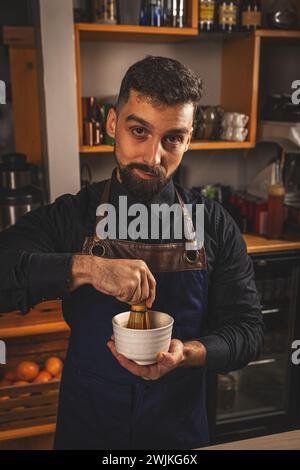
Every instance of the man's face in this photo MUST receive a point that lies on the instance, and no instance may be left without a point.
(151, 139)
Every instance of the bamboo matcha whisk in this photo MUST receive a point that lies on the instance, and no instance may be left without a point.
(139, 318)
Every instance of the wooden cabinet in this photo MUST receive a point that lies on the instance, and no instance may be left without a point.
(23, 60)
(240, 64)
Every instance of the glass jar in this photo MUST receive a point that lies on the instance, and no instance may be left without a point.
(282, 14)
(207, 13)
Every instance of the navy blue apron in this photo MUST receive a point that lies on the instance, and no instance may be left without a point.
(104, 406)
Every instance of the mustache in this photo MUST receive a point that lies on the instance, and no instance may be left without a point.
(154, 171)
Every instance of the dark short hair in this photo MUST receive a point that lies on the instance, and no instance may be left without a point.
(163, 79)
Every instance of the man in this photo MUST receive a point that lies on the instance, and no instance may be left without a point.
(106, 400)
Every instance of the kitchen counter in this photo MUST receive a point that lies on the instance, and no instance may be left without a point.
(256, 244)
(283, 441)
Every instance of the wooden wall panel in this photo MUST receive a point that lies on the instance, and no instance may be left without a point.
(240, 78)
(26, 103)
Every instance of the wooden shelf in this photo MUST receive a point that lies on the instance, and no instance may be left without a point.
(219, 145)
(31, 431)
(197, 145)
(120, 32)
(276, 34)
(96, 149)
(43, 319)
(257, 244)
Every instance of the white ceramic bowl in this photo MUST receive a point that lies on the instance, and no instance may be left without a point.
(142, 346)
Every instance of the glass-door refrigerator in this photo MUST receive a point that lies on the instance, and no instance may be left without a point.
(264, 396)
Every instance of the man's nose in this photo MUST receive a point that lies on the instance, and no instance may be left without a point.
(153, 154)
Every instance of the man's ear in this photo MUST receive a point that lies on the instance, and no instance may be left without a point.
(111, 123)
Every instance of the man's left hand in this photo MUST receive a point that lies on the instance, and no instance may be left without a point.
(166, 361)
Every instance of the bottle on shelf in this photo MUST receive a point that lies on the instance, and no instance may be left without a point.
(167, 13)
(251, 15)
(180, 13)
(228, 16)
(207, 11)
(155, 15)
(158, 13)
(81, 11)
(129, 12)
(174, 13)
(276, 203)
(144, 15)
(104, 11)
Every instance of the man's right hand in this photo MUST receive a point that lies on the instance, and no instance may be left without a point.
(128, 280)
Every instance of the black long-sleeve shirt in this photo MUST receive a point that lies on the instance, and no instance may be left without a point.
(36, 255)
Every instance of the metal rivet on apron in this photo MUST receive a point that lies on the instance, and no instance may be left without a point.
(98, 250)
(192, 256)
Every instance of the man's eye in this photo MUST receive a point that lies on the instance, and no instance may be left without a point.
(174, 139)
(139, 131)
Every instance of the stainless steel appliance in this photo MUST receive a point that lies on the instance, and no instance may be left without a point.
(15, 172)
(18, 192)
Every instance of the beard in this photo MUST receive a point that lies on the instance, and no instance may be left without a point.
(143, 190)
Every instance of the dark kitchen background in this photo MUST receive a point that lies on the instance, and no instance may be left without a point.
(62, 62)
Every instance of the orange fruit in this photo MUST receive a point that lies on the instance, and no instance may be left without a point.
(27, 370)
(57, 376)
(5, 397)
(54, 365)
(43, 377)
(20, 383)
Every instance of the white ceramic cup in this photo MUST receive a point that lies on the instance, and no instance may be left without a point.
(226, 133)
(239, 120)
(234, 120)
(227, 119)
(142, 346)
(239, 134)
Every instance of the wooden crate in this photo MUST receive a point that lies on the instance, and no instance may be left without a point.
(32, 404)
